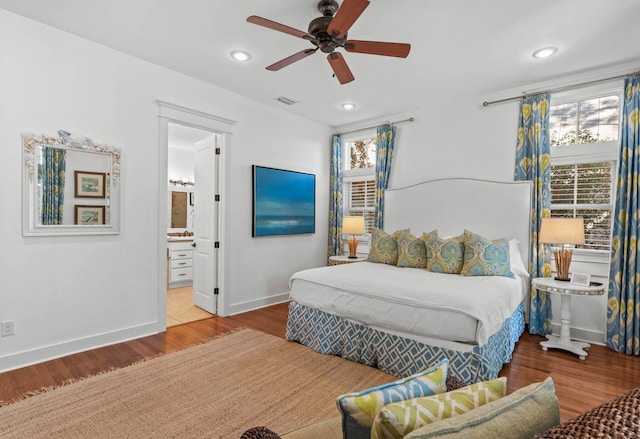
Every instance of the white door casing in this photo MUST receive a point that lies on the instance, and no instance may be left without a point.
(224, 129)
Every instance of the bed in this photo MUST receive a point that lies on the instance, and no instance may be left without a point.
(403, 320)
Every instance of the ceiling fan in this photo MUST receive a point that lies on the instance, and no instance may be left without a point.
(329, 32)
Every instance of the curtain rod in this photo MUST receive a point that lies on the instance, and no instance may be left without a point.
(559, 89)
(411, 119)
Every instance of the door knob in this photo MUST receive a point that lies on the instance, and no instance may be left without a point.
(193, 244)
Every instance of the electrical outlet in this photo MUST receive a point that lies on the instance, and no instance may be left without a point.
(6, 328)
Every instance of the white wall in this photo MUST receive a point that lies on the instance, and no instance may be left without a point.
(67, 294)
(180, 164)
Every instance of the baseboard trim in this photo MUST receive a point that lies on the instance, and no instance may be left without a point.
(46, 353)
(252, 305)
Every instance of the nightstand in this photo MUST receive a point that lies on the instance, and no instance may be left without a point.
(566, 290)
(344, 259)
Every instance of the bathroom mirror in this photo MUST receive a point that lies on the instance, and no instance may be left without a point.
(70, 186)
(180, 209)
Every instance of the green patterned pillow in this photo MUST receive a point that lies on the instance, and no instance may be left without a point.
(483, 257)
(411, 251)
(444, 255)
(360, 409)
(384, 247)
(401, 418)
(525, 413)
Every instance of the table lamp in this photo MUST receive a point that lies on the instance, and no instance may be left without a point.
(562, 231)
(353, 225)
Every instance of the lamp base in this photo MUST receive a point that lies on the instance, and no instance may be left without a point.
(353, 247)
(563, 260)
(352, 257)
(562, 279)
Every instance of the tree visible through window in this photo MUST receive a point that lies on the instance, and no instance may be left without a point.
(359, 179)
(584, 138)
(362, 154)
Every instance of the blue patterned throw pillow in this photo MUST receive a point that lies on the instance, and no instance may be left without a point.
(360, 409)
(411, 251)
(384, 247)
(483, 257)
(444, 255)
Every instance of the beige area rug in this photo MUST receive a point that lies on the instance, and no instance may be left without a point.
(217, 389)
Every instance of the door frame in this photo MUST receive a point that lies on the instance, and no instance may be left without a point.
(172, 113)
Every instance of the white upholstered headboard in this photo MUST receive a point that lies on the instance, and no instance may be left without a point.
(493, 209)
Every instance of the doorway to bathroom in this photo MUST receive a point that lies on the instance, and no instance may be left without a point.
(192, 175)
(194, 244)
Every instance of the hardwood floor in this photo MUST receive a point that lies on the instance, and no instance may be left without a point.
(580, 385)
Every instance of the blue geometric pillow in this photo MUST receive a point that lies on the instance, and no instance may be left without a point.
(483, 257)
(444, 255)
(360, 409)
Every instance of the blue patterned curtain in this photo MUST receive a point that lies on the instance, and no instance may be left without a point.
(335, 198)
(533, 162)
(52, 177)
(623, 308)
(385, 138)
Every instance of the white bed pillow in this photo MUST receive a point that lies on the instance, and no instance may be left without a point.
(515, 259)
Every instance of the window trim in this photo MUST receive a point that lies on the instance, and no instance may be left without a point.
(357, 174)
(589, 153)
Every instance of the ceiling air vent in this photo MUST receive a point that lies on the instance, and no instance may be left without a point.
(286, 101)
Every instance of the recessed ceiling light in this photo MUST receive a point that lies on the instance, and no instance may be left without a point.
(240, 55)
(348, 106)
(545, 52)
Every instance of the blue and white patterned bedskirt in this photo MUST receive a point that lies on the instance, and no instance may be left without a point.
(400, 356)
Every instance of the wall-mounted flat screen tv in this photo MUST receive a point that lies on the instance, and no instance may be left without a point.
(284, 202)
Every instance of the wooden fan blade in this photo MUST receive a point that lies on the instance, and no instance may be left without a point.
(400, 50)
(340, 67)
(345, 17)
(291, 59)
(279, 27)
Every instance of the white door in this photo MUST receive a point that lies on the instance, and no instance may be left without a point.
(205, 224)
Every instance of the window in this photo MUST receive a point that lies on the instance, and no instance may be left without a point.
(584, 149)
(359, 186)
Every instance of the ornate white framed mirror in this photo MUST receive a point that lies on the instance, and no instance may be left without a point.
(70, 186)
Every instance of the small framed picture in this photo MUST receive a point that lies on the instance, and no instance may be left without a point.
(90, 184)
(581, 279)
(89, 215)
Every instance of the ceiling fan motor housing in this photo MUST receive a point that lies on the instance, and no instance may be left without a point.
(325, 42)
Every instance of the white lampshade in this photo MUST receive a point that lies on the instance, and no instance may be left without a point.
(562, 231)
(353, 225)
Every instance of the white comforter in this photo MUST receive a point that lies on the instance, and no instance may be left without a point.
(411, 301)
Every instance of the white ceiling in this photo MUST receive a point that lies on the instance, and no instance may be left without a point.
(459, 47)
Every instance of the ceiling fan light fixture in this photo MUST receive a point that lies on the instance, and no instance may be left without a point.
(240, 55)
(348, 106)
(545, 52)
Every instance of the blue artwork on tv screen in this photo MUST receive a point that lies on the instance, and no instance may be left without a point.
(283, 202)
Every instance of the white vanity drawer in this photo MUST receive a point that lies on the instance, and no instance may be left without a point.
(181, 254)
(180, 263)
(180, 274)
